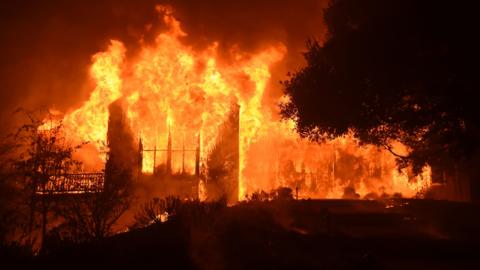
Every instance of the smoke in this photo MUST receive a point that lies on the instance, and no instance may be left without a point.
(47, 45)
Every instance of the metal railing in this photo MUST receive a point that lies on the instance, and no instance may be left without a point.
(75, 183)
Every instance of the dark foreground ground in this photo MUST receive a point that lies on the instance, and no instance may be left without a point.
(308, 234)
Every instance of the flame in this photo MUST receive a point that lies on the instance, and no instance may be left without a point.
(202, 191)
(170, 88)
(90, 122)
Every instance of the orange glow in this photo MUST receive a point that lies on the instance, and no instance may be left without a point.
(171, 88)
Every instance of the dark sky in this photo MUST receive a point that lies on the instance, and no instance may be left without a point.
(46, 46)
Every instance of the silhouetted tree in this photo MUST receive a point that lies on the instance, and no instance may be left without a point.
(92, 216)
(43, 156)
(223, 161)
(282, 194)
(349, 168)
(12, 211)
(392, 70)
(350, 193)
(259, 196)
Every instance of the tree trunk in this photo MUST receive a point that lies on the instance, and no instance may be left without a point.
(31, 221)
(44, 221)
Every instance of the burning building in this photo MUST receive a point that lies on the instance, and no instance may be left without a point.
(176, 107)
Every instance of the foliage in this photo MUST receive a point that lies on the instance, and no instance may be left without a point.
(12, 211)
(392, 70)
(44, 152)
(41, 156)
(187, 212)
(279, 194)
(350, 193)
(93, 215)
(283, 194)
(260, 196)
(222, 161)
(152, 211)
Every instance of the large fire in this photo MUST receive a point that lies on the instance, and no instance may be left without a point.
(170, 88)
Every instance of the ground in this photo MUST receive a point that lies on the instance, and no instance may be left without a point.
(290, 234)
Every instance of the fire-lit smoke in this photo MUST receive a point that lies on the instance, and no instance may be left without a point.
(172, 89)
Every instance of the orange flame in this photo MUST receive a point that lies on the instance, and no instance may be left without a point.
(171, 88)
